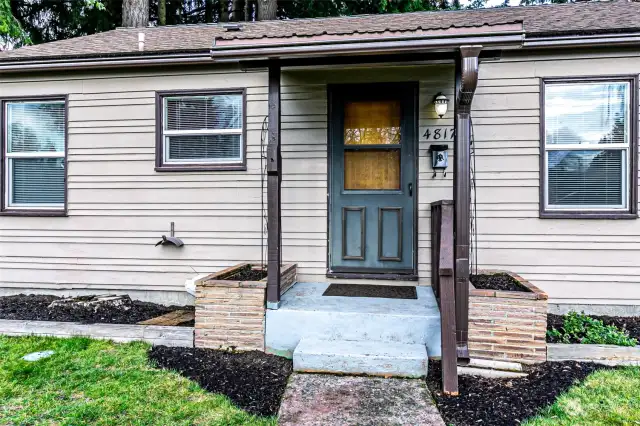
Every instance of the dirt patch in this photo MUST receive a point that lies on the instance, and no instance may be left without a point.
(246, 273)
(506, 402)
(253, 380)
(36, 308)
(500, 281)
(629, 324)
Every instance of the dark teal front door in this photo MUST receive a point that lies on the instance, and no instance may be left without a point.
(373, 138)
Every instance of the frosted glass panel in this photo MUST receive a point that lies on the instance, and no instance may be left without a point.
(372, 169)
(372, 123)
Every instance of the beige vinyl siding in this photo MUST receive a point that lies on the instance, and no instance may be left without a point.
(305, 94)
(119, 206)
(575, 261)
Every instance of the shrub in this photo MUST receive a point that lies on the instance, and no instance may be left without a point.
(581, 328)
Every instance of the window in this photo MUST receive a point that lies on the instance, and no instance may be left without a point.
(203, 131)
(34, 160)
(589, 147)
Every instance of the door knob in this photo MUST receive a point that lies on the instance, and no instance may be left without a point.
(410, 189)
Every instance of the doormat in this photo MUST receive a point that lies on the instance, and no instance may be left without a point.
(369, 290)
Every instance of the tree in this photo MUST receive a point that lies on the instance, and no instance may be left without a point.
(50, 20)
(267, 10)
(135, 13)
(11, 32)
(162, 12)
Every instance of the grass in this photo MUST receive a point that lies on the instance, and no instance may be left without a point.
(102, 383)
(607, 397)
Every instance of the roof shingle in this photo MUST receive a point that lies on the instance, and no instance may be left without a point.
(559, 19)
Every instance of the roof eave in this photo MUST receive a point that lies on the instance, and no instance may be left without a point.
(57, 64)
(584, 40)
(410, 44)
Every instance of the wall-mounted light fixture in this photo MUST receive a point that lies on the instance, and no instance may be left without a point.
(441, 103)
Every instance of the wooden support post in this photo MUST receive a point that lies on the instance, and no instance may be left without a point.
(466, 82)
(274, 183)
(447, 299)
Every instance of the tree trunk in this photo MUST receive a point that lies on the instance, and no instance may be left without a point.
(135, 13)
(267, 10)
(247, 11)
(208, 11)
(162, 12)
(224, 10)
(237, 10)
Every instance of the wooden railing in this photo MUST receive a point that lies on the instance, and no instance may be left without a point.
(443, 282)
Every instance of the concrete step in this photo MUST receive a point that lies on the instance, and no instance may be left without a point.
(305, 313)
(352, 357)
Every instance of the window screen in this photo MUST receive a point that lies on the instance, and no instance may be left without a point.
(587, 142)
(35, 154)
(203, 129)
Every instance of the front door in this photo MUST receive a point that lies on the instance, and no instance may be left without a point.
(373, 178)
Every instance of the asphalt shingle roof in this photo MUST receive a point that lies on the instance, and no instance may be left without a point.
(559, 19)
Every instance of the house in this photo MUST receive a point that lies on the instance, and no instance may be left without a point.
(323, 129)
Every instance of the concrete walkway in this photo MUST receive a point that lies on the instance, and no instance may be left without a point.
(328, 400)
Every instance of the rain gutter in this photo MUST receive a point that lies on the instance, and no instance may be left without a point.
(600, 40)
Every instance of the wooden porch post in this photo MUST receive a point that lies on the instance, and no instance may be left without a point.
(274, 182)
(466, 82)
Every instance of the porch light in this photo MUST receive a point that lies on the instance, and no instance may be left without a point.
(441, 103)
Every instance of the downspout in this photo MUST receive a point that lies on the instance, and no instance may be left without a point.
(466, 83)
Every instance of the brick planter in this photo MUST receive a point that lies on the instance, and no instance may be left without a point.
(231, 314)
(508, 325)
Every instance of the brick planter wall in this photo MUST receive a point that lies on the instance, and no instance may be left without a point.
(231, 314)
(508, 325)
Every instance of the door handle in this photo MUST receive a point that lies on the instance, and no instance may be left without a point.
(410, 189)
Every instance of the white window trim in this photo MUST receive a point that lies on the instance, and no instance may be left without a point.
(626, 148)
(8, 186)
(166, 133)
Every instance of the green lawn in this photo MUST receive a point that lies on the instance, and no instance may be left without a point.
(102, 383)
(607, 397)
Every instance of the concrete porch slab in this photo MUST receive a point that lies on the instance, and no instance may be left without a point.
(322, 399)
(305, 312)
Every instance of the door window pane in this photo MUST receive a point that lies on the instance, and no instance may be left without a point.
(372, 123)
(372, 169)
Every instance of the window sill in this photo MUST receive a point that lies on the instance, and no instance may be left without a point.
(588, 215)
(35, 213)
(201, 168)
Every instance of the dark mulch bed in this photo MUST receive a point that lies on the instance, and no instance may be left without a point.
(36, 308)
(254, 381)
(368, 290)
(499, 281)
(247, 274)
(502, 402)
(630, 324)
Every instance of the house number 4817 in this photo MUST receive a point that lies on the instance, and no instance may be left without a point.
(439, 134)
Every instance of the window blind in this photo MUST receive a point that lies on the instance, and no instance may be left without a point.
(34, 154)
(586, 178)
(204, 147)
(38, 181)
(35, 127)
(587, 138)
(203, 129)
